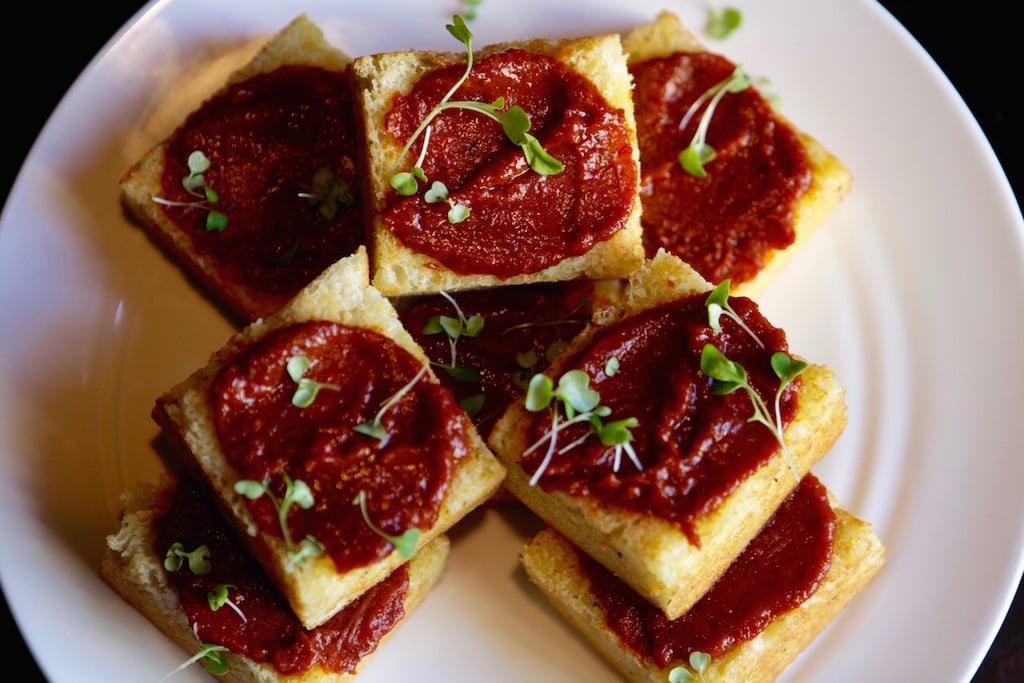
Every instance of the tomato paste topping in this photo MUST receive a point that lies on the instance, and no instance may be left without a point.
(266, 138)
(404, 476)
(520, 221)
(777, 572)
(726, 223)
(695, 446)
(269, 632)
(523, 327)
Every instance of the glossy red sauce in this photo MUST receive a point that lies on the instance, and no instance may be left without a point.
(266, 137)
(725, 224)
(520, 221)
(535, 319)
(695, 447)
(270, 632)
(264, 437)
(777, 572)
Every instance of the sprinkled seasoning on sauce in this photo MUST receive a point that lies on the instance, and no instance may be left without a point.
(695, 446)
(779, 570)
(270, 632)
(266, 137)
(520, 221)
(405, 476)
(725, 224)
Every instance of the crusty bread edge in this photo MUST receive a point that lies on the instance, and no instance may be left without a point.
(314, 588)
(654, 556)
(858, 556)
(130, 566)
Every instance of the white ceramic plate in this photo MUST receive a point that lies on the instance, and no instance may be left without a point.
(910, 291)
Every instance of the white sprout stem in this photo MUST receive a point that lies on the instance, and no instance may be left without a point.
(238, 611)
(551, 450)
(401, 392)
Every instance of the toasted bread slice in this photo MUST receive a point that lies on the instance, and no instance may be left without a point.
(238, 418)
(133, 565)
(506, 239)
(668, 563)
(554, 566)
(748, 257)
(279, 121)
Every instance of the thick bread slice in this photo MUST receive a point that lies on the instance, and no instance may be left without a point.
(831, 179)
(653, 555)
(397, 269)
(301, 43)
(315, 589)
(858, 555)
(132, 568)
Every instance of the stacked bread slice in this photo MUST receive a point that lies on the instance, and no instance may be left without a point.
(337, 437)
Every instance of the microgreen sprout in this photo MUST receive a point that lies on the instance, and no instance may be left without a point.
(375, 428)
(718, 305)
(454, 328)
(404, 544)
(699, 662)
(729, 376)
(471, 6)
(296, 492)
(195, 184)
(211, 657)
(329, 192)
(308, 388)
(472, 405)
(514, 122)
(699, 152)
(198, 560)
(220, 597)
(580, 404)
(723, 20)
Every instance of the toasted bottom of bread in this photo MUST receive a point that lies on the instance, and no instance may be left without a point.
(552, 565)
(131, 567)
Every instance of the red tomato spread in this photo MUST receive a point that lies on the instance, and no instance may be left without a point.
(726, 223)
(777, 572)
(695, 446)
(265, 138)
(405, 475)
(269, 633)
(535, 320)
(520, 221)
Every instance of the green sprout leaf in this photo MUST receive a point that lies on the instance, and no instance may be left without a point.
(328, 193)
(375, 428)
(307, 389)
(404, 544)
(514, 121)
(195, 184)
(718, 305)
(722, 21)
(298, 493)
(220, 597)
(212, 658)
(198, 560)
(456, 328)
(699, 152)
(729, 376)
(574, 398)
(699, 662)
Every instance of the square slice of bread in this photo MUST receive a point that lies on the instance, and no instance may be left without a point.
(553, 565)
(831, 180)
(398, 269)
(133, 566)
(342, 297)
(258, 272)
(653, 554)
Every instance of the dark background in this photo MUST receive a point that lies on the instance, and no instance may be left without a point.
(972, 45)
